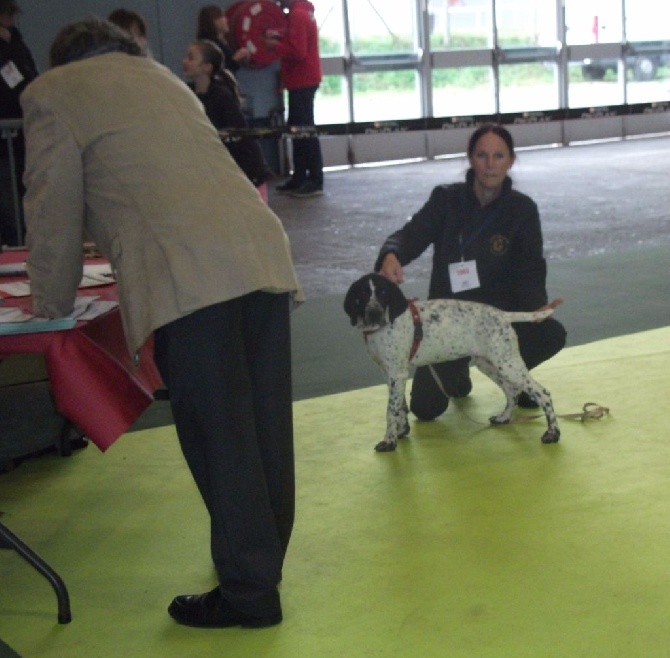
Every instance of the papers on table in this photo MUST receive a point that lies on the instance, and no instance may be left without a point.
(12, 269)
(35, 325)
(94, 275)
(15, 321)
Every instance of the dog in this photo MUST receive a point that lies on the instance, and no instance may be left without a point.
(400, 333)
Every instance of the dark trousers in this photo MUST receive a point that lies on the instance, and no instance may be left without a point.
(538, 342)
(12, 233)
(227, 368)
(307, 158)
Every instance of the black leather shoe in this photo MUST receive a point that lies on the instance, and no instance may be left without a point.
(211, 610)
(308, 189)
(289, 186)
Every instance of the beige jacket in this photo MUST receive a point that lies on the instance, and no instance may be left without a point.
(119, 149)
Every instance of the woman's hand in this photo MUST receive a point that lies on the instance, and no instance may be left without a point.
(392, 269)
(242, 55)
(554, 303)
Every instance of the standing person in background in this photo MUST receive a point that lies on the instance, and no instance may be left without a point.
(213, 26)
(17, 70)
(201, 263)
(298, 50)
(217, 89)
(134, 23)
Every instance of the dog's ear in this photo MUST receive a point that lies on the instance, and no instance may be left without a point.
(390, 295)
(356, 299)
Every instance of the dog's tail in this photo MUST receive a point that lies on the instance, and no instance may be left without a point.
(529, 316)
(535, 316)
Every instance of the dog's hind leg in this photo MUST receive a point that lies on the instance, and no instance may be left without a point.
(508, 389)
(542, 396)
(513, 379)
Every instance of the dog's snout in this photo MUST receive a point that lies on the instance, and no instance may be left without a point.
(374, 314)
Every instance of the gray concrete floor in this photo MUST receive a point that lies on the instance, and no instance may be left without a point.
(594, 199)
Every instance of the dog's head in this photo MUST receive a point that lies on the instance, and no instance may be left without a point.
(374, 301)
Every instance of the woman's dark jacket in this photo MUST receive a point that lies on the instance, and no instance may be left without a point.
(17, 52)
(504, 238)
(222, 106)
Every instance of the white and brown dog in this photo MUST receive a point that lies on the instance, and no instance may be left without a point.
(400, 333)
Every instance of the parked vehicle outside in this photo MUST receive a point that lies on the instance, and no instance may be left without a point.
(646, 41)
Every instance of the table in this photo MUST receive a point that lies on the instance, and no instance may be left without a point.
(95, 385)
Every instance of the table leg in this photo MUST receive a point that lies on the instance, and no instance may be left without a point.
(9, 540)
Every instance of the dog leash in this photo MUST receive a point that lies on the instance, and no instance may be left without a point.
(590, 410)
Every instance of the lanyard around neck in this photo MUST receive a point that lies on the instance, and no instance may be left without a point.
(488, 219)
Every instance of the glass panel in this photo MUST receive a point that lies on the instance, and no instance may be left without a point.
(460, 24)
(593, 21)
(648, 72)
(530, 87)
(463, 91)
(594, 83)
(330, 103)
(641, 91)
(382, 27)
(523, 23)
(381, 96)
(647, 20)
(328, 14)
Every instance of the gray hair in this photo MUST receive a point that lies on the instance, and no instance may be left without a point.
(88, 38)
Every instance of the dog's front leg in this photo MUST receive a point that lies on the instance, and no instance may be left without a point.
(396, 413)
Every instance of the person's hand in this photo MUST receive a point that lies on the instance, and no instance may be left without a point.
(5, 34)
(242, 55)
(392, 269)
(554, 303)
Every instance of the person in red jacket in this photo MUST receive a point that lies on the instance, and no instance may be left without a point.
(298, 50)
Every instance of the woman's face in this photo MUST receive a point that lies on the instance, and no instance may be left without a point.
(221, 25)
(192, 64)
(490, 161)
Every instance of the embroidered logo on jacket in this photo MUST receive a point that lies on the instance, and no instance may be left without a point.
(499, 244)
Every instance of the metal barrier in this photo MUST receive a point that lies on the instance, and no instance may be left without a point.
(283, 132)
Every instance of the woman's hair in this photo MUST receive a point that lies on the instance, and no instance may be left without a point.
(206, 22)
(212, 54)
(90, 37)
(126, 18)
(494, 128)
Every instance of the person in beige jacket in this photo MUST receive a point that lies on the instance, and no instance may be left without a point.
(121, 151)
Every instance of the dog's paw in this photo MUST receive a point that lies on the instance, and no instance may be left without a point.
(551, 436)
(499, 420)
(385, 446)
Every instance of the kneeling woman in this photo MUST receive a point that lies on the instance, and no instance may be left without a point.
(487, 247)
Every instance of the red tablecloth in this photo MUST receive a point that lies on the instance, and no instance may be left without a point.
(94, 381)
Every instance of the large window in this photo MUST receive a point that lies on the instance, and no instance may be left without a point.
(387, 60)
